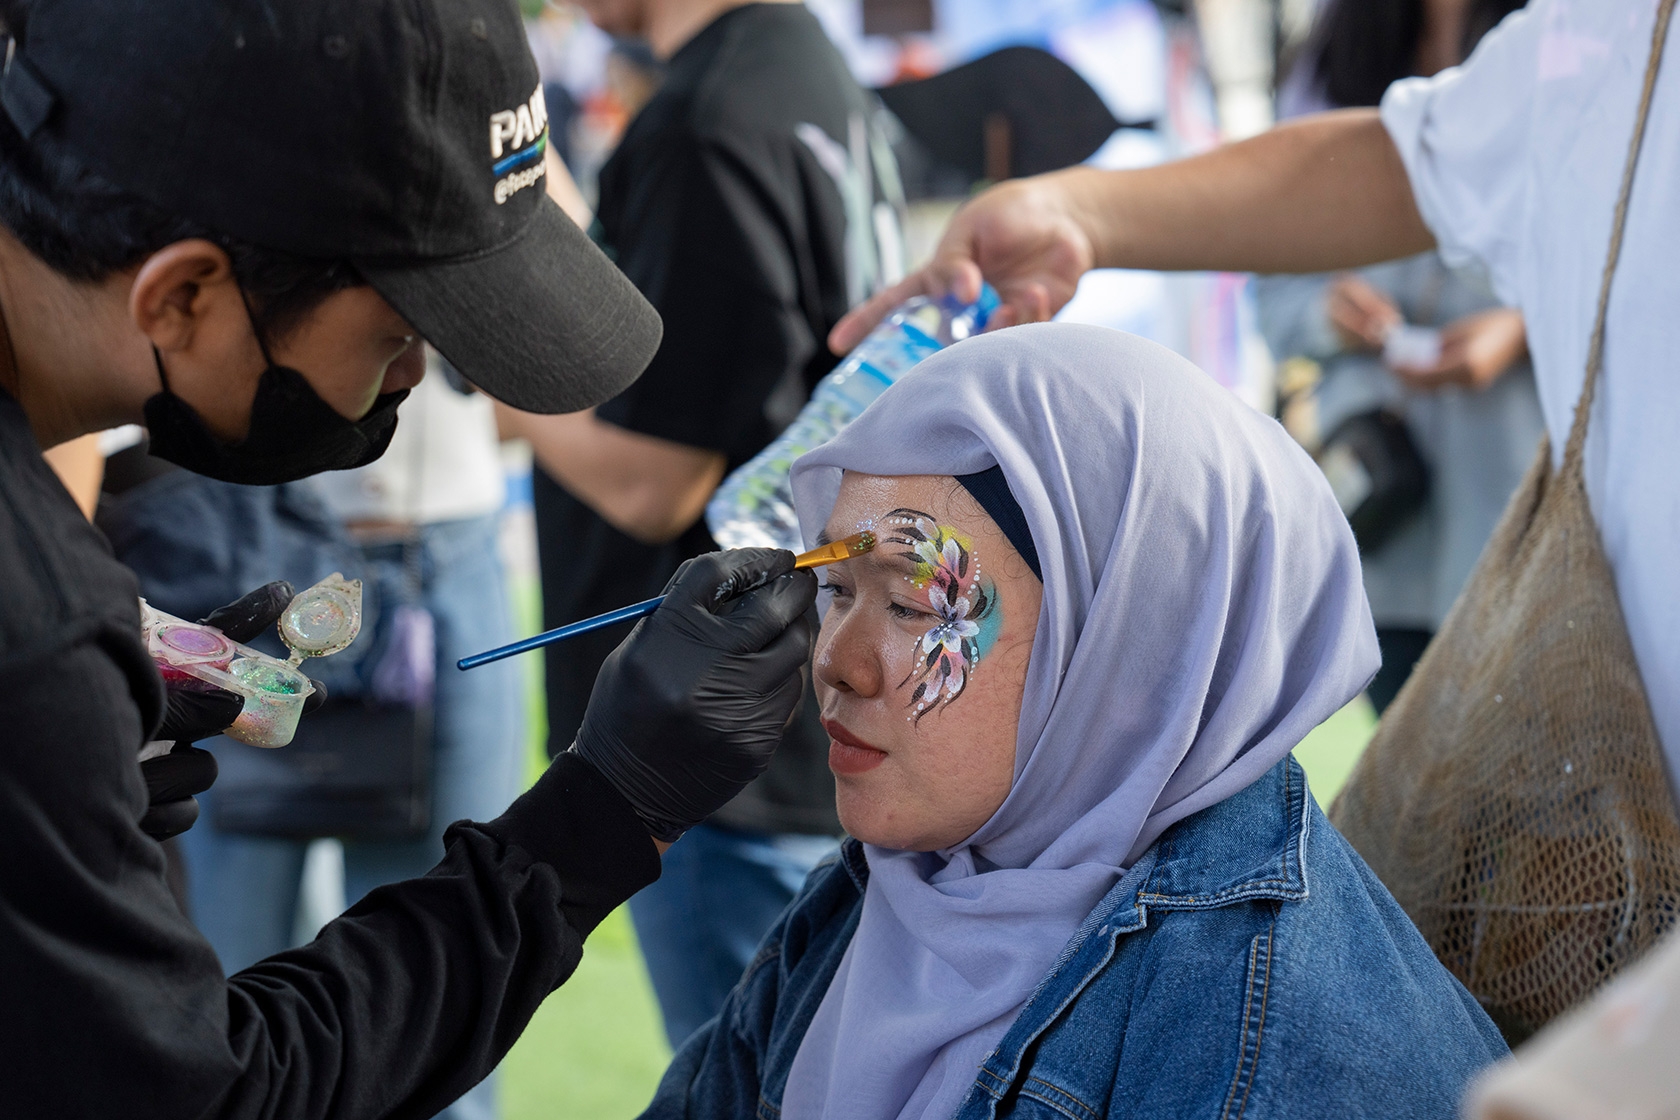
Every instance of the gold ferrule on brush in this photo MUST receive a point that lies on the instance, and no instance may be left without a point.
(855, 545)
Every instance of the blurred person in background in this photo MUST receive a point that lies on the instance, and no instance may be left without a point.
(752, 202)
(1473, 413)
(633, 74)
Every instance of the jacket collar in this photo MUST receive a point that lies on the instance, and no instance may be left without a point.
(1251, 845)
(855, 863)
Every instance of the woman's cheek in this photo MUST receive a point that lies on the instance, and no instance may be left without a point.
(898, 656)
(819, 675)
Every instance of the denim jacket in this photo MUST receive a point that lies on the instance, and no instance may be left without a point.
(1248, 965)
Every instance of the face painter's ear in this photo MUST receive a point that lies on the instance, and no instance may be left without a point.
(177, 288)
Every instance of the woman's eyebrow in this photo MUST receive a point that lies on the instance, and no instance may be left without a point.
(878, 558)
(888, 558)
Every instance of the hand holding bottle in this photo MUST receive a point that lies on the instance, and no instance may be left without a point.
(1022, 236)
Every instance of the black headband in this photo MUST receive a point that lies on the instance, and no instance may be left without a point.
(991, 490)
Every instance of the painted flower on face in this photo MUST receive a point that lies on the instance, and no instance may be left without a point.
(942, 553)
(965, 608)
(948, 647)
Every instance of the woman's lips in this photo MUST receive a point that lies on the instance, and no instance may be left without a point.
(847, 754)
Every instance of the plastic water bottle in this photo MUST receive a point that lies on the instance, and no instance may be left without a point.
(754, 506)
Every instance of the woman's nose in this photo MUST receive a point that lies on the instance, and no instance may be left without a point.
(845, 661)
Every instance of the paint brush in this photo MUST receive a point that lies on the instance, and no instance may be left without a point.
(855, 545)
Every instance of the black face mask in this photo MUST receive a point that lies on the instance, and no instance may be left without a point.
(293, 433)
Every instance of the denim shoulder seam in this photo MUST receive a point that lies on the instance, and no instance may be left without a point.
(1306, 825)
(1255, 888)
(1254, 1024)
(767, 952)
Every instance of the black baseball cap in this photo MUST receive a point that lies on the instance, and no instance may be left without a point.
(407, 136)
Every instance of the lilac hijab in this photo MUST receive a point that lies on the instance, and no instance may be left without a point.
(1202, 612)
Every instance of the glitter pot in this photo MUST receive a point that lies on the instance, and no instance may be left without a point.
(274, 696)
(323, 619)
(195, 643)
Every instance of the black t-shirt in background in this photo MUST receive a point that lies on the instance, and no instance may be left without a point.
(747, 203)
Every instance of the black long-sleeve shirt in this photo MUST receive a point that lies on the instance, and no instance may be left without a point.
(112, 1004)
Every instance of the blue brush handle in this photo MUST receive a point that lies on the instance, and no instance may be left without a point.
(561, 633)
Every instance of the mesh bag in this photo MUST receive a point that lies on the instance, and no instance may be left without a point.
(1514, 798)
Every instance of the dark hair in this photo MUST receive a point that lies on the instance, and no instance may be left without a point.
(86, 228)
(1364, 46)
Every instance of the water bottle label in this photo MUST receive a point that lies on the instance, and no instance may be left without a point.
(869, 368)
(920, 337)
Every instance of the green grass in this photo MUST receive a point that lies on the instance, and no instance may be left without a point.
(596, 1049)
(1328, 753)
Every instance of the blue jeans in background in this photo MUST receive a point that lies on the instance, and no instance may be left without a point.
(720, 892)
(244, 889)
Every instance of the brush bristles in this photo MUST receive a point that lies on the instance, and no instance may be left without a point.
(855, 545)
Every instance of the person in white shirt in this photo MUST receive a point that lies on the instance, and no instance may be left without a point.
(1471, 413)
(1511, 161)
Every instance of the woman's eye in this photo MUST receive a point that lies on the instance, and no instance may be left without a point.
(899, 610)
(839, 591)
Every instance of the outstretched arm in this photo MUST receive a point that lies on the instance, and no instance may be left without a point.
(1321, 193)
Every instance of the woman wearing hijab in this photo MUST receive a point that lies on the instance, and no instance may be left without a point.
(1086, 878)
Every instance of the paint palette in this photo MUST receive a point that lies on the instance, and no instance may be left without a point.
(321, 620)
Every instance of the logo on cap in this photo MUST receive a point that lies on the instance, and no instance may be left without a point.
(518, 139)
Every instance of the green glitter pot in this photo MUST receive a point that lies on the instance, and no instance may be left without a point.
(269, 677)
(274, 699)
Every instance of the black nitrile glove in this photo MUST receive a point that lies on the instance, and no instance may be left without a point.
(195, 710)
(691, 706)
(252, 613)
